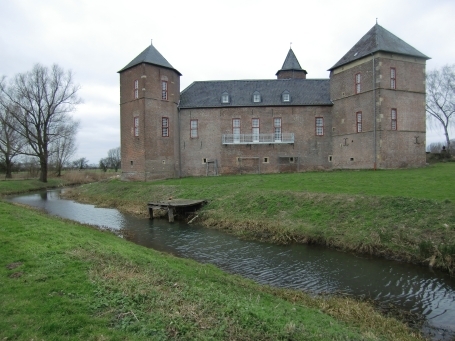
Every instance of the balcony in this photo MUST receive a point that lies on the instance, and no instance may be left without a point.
(284, 138)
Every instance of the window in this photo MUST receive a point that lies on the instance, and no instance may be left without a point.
(265, 160)
(136, 126)
(164, 90)
(285, 96)
(255, 129)
(277, 129)
(136, 89)
(256, 97)
(224, 97)
(236, 129)
(359, 121)
(393, 78)
(393, 116)
(319, 126)
(165, 127)
(357, 83)
(193, 129)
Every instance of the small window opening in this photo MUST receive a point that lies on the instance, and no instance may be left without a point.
(204, 160)
(330, 158)
(286, 97)
(265, 160)
(224, 97)
(256, 97)
(352, 159)
(291, 160)
(357, 83)
(131, 162)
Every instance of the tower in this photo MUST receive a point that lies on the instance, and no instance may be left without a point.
(378, 92)
(291, 68)
(149, 97)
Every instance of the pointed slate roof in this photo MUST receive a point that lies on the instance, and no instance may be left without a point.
(378, 39)
(150, 56)
(291, 63)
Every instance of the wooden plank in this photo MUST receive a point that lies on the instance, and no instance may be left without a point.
(171, 214)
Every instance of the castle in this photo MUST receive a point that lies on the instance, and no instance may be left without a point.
(370, 114)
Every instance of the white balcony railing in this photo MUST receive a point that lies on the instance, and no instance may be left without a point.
(258, 138)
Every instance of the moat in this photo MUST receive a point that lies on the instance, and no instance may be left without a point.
(415, 289)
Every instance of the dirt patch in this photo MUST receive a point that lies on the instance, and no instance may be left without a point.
(13, 265)
(16, 275)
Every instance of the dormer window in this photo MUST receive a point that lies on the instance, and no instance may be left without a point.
(225, 98)
(286, 96)
(256, 97)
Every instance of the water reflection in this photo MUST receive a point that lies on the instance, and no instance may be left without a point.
(316, 269)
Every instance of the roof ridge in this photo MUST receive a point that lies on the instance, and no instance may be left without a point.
(375, 40)
(150, 56)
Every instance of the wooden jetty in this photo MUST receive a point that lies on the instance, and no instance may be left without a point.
(175, 207)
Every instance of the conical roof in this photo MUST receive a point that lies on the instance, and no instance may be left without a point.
(378, 39)
(150, 56)
(291, 63)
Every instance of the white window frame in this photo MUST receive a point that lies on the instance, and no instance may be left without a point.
(136, 89)
(225, 98)
(165, 126)
(277, 129)
(393, 78)
(255, 129)
(236, 129)
(319, 126)
(136, 126)
(394, 119)
(358, 80)
(359, 122)
(193, 129)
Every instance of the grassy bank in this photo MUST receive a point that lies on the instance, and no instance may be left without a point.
(405, 214)
(64, 281)
(68, 178)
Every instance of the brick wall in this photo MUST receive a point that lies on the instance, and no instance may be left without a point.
(308, 152)
(393, 149)
(149, 155)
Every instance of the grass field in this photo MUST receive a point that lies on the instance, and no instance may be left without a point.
(63, 281)
(405, 214)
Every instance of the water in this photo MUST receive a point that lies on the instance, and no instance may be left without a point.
(316, 269)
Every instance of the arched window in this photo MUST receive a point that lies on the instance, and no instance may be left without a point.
(257, 97)
(225, 98)
(285, 96)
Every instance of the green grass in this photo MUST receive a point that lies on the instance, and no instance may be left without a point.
(20, 186)
(406, 214)
(432, 182)
(63, 281)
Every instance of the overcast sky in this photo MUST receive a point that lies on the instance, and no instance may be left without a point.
(204, 40)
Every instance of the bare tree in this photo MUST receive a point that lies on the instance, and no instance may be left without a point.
(435, 147)
(441, 99)
(104, 164)
(11, 143)
(114, 158)
(44, 97)
(63, 148)
(80, 163)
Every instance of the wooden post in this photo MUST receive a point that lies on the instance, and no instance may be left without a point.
(171, 214)
(151, 213)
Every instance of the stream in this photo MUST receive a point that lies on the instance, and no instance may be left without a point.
(411, 288)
